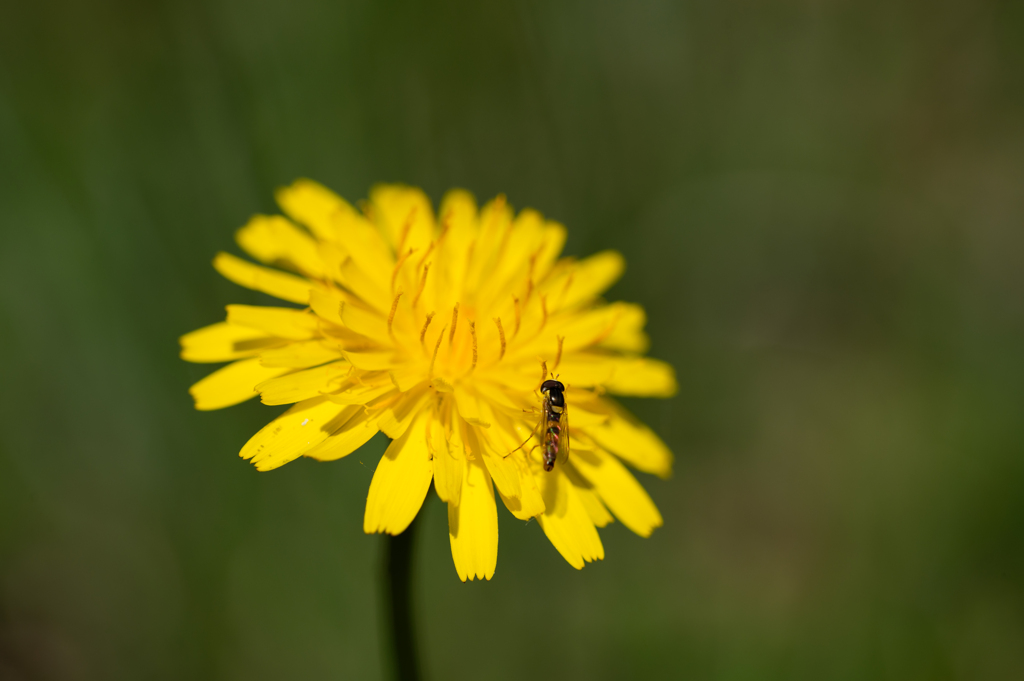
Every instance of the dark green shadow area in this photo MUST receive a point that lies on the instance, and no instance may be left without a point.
(821, 206)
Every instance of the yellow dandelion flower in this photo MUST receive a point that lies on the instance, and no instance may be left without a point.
(439, 335)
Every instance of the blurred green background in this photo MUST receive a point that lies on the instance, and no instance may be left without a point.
(822, 208)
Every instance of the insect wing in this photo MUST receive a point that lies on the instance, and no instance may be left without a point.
(563, 426)
(543, 427)
(541, 433)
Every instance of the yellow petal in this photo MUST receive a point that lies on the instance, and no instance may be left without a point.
(497, 454)
(633, 376)
(349, 273)
(553, 242)
(364, 322)
(523, 260)
(515, 258)
(501, 468)
(447, 462)
(629, 439)
(283, 322)
(469, 408)
(619, 490)
(406, 376)
(473, 525)
(371, 360)
(303, 385)
(362, 388)
(352, 435)
(586, 370)
(566, 522)
(459, 220)
(441, 385)
(327, 305)
(365, 244)
(535, 248)
(232, 384)
(315, 206)
(278, 284)
(346, 339)
(530, 503)
(522, 380)
(628, 334)
(586, 280)
(295, 432)
(589, 498)
(396, 418)
(273, 239)
(642, 377)
(223, 342)
(400, 483)
(501, 399)
(458, 206)
(581, 418)
(574, 331)
(508, 445)
(484, 274)
(300, 355)
(404, 215)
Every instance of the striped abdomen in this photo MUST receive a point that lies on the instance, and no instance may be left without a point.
(551, 445)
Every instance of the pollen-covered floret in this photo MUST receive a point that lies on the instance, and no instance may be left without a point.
(440, 334)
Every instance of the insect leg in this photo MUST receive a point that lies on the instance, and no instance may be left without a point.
(519, 447)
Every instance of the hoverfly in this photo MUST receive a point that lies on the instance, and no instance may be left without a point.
(554, 423)
(552, 431)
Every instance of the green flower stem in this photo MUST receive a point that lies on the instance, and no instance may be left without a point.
(398, 595)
